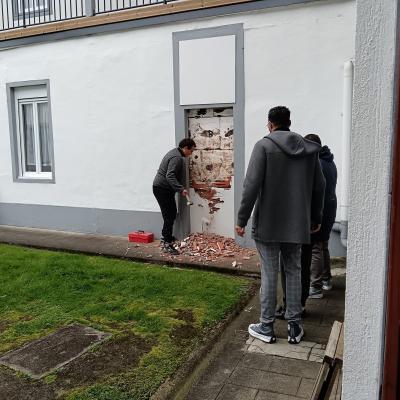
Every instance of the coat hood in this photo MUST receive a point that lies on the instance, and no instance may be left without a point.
(293, 144)
(325, 154)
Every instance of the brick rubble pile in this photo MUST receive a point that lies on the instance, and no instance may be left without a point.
(211, 247)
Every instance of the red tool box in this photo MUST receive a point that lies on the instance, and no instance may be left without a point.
(141, 237)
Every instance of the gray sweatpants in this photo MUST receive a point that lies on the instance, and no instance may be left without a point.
(269, 255)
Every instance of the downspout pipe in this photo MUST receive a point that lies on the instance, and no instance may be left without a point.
(348, 75)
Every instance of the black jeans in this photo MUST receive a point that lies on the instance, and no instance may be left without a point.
(306, 254)
(166, 201)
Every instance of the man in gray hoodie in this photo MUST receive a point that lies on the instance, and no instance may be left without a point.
(168, 181)
(285, 183)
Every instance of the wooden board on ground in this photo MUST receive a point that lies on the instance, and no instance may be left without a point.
(328, 385)
(336, 392)
(333, 342)
(321, 379)
(340, 347)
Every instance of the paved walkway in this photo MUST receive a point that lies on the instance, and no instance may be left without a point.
(239, 367)
(244, 368)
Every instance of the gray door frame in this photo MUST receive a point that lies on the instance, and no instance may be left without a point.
(182, 225)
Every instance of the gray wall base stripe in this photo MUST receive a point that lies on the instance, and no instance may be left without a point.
(103, 221)
(163, 19)
(80, 219)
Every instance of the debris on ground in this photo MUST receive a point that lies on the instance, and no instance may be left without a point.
(212, 247)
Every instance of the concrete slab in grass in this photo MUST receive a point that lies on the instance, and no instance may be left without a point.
(51, 352)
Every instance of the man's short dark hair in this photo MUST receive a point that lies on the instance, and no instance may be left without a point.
(279, 116)
(187, 142)
(314, 138)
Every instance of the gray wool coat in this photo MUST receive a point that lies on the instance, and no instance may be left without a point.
(284, 182)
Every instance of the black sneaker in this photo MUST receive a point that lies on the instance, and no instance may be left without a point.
(280, 312)
(169, 248)
(263, 331)
(295, 333)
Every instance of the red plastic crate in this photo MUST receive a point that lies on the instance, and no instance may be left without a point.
(141, 237)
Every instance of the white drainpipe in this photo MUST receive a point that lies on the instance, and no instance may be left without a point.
(341, 227)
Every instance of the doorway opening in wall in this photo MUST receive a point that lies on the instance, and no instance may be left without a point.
(211, 170)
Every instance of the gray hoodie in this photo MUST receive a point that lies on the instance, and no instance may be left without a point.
(171, 173)
(285, 183)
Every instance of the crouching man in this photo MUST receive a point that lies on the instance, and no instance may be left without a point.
(285, 183)
(169, 180)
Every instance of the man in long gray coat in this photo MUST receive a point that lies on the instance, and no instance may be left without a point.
(285, 183)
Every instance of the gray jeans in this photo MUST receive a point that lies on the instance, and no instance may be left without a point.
(320, 264)
(269, 255)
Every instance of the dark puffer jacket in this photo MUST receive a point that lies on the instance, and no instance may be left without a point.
(330, 203)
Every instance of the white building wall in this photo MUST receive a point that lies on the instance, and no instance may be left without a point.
(113, 106)
(371, 149)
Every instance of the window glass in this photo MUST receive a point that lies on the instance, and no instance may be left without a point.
(44, 139)
(28, 137)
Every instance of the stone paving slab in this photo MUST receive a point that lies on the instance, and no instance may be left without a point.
(302, 351)
(42, 356)
(264, 380)
(306, 388)
(235, 392)
(262, 395)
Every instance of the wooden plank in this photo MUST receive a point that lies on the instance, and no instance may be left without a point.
(334, 390)
(333, 342)
(340, 348)
(339, 389)
(333, 383)
(321, 378)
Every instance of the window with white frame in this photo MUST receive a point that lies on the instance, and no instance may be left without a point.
(31, 7)
(33, 149)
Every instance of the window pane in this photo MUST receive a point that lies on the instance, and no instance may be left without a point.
(40, 4)
(28, 137)
(44, 137)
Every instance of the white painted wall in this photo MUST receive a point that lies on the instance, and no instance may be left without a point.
(113, 105)
(207, 70)
(369, 198)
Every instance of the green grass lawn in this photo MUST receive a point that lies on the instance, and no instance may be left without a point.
(167, 310)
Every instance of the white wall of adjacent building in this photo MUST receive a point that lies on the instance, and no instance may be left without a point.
(112, 98)
(370, 195)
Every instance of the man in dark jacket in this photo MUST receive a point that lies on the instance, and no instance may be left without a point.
(315, 257)
(285, 183)
(169, 180)
(320, 258)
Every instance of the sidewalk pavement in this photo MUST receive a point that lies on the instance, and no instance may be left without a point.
(118, 246)
(238, 367)
(244, 368)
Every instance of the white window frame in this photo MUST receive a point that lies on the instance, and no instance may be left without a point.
(21, 148)
(20, 94)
